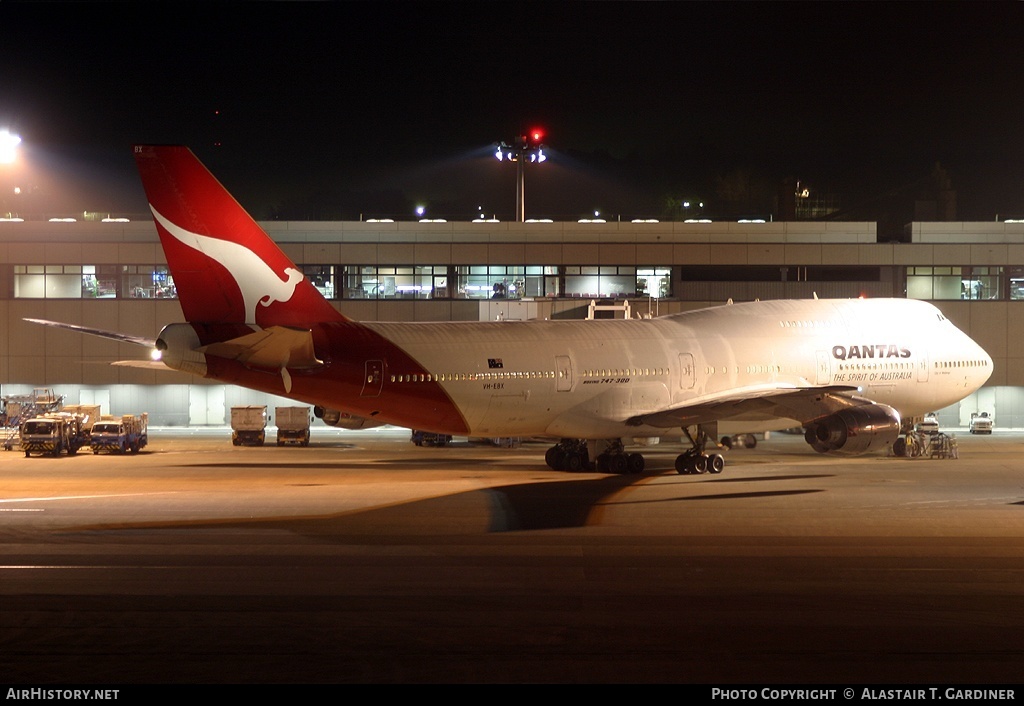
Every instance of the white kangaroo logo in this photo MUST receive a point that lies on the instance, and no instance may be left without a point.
(257, 282)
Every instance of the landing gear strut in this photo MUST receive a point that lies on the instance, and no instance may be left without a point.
(695, 460)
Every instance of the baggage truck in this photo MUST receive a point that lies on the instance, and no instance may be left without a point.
(293, 425)
(129, 433)
(54, 433)
(248, 425)
(88, 413)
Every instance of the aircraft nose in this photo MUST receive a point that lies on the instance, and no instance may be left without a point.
(988, 362)
(984, 361)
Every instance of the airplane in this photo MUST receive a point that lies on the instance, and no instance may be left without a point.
(847, 371)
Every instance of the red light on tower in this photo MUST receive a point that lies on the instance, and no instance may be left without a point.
(527, 148)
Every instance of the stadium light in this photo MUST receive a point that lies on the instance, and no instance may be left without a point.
(8, 143)
(525, 148)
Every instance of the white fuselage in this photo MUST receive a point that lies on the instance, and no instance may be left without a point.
(595, 379)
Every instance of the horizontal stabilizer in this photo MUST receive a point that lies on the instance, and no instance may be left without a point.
(273, 348)
(113, 335)
(144, 364)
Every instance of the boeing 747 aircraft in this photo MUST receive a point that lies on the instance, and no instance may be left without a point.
(847, 371)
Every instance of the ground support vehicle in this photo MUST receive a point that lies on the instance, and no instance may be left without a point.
(249, 425)
(746, 441)
(129, 433)
(53, 434)
(980, 423)
(15, 409)
(293, 425)
(427, 438)
(928, 425)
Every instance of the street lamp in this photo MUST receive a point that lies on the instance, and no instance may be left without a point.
(525, 148)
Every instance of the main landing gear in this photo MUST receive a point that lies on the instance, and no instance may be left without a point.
(575, 454)
(568, 455)
(695, 460)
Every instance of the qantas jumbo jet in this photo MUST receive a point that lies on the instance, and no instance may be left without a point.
(848, 371)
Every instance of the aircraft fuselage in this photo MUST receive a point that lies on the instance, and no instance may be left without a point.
(612, 378)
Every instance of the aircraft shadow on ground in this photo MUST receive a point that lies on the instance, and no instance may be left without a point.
(545, 505)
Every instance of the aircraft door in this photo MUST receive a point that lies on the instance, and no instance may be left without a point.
(687, 371)
(922, 368)
(824, 374)
(563, 373)
(373, 379)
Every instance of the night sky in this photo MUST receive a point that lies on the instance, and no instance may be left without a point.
(349, 109)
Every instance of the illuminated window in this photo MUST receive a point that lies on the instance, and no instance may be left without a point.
(395, 282)
(321, 277)
(607, 282)
(147, 282)
(948, 283)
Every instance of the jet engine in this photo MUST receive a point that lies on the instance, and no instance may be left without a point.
(345, 420)
(855, 430)
(176, 345)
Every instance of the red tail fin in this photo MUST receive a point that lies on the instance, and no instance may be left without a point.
(226, 268)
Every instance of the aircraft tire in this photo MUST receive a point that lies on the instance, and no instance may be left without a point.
(555, 458)
(899, 447)
(700, 464)
(573, 462)
(618, 463)
(635, 463)
(716, 463)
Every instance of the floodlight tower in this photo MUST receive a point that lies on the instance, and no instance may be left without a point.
(525, 148)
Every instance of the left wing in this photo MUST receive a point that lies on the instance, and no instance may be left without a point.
(755, 403)
(123, 337)
(150, 343)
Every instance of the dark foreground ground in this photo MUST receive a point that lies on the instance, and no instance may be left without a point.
(366, 559)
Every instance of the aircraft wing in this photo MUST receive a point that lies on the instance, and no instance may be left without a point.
(758, 403)
(273, 348)
(113, 335)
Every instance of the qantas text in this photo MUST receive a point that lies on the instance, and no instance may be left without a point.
(879, 350)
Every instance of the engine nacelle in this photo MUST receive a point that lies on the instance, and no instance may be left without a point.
(855, 430)
(345, 420)
(176, 344)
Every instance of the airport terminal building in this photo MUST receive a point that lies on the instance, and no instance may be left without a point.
(111, 274)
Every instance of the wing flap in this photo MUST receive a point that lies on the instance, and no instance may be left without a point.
(273, 348)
